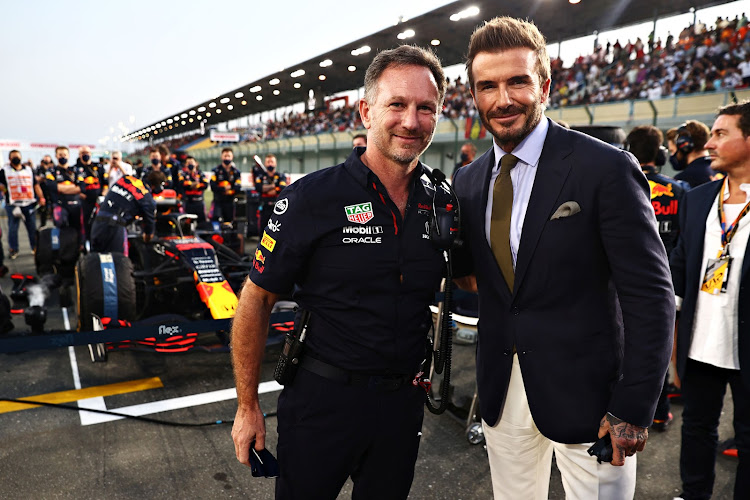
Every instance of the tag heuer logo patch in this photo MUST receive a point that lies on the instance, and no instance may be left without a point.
(360, 213)
(281, 206)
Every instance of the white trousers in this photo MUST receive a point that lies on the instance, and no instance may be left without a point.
(521, 458)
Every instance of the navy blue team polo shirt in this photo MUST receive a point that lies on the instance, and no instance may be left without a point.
(366, 274)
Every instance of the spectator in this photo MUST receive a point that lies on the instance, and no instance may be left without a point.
(359, 141)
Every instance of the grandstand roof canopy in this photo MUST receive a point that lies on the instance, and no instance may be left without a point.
(558, 20)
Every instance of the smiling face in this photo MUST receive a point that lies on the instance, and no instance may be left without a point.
(508, 94)
(401, 121)
(728, 148)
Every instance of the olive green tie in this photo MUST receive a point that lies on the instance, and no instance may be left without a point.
(502, 204)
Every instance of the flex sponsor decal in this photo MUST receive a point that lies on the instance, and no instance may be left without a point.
(169, 330)
(274, 226)
(281, 206)
(360, 213)
(259, 256)
(267, 242)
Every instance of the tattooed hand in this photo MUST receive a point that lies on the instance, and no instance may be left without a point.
(627, 439)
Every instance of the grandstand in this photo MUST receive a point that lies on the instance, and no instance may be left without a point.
(695, 73)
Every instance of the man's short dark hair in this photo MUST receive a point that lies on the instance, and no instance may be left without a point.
(163, 150)
(404, 55)
(13, 151)
(741, 109)
(699, 133)
(644, 142)
(505, 33)
(227, 150)
(156, 178)
(188, 157)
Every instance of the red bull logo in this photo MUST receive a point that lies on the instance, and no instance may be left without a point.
(260, 257)
(662, 209)
(660, 190)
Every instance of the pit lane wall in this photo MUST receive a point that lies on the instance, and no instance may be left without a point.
(301, 155)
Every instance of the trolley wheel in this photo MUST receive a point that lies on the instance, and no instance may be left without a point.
(475, 433)
(98, 353)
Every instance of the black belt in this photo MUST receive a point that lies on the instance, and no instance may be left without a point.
(112, 220)
(382, 383)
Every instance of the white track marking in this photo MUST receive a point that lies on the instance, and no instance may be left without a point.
(173, 404)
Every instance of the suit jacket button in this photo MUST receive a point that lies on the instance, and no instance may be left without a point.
(506, 352)
(515, 311)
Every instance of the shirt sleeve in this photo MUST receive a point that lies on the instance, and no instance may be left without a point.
(286, 242)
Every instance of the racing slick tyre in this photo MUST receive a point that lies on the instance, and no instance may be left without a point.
(105, 287)
(55, 248)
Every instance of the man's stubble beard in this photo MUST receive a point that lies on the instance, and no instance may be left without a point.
(533, 116)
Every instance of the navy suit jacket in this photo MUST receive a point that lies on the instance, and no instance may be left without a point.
(592, 310)
(686, 262)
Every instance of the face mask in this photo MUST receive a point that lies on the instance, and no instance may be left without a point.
(464, 157)
(85, 158)
(191, 167)
(62, 161)
(227, 162)
(155, 161)
(270, 169)
(15, 162)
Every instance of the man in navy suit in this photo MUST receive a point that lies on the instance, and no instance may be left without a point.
(710, 276)
(576, 305)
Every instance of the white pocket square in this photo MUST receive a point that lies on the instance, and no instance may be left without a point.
(566, 210)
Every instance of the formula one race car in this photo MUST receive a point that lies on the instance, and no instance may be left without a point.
(178, 273)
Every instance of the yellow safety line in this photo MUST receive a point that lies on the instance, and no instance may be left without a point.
(88, 392)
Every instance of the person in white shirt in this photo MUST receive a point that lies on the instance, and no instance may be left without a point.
(709, 273)
(118, 168)
(744, 68)
(22, 193)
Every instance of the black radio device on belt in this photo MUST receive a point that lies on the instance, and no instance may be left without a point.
(291, 353)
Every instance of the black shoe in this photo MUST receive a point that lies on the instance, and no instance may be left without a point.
(661, 425)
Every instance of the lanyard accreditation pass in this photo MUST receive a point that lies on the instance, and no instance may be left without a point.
(717, 270)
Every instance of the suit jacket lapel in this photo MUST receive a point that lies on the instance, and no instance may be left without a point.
(550, 178)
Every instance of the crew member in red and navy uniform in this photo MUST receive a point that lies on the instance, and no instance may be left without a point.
(22, 193)
(645, 142)
(128, 198)
(352, 243)
(169, 163)
(158, 166)
(94, 184)
(268, 186)
(226, 182)
(41, 175)
(192, 186)
(65, 188)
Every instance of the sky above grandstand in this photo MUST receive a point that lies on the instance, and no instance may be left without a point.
(79, 71)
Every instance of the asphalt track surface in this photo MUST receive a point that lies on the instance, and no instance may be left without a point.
(49, 453)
